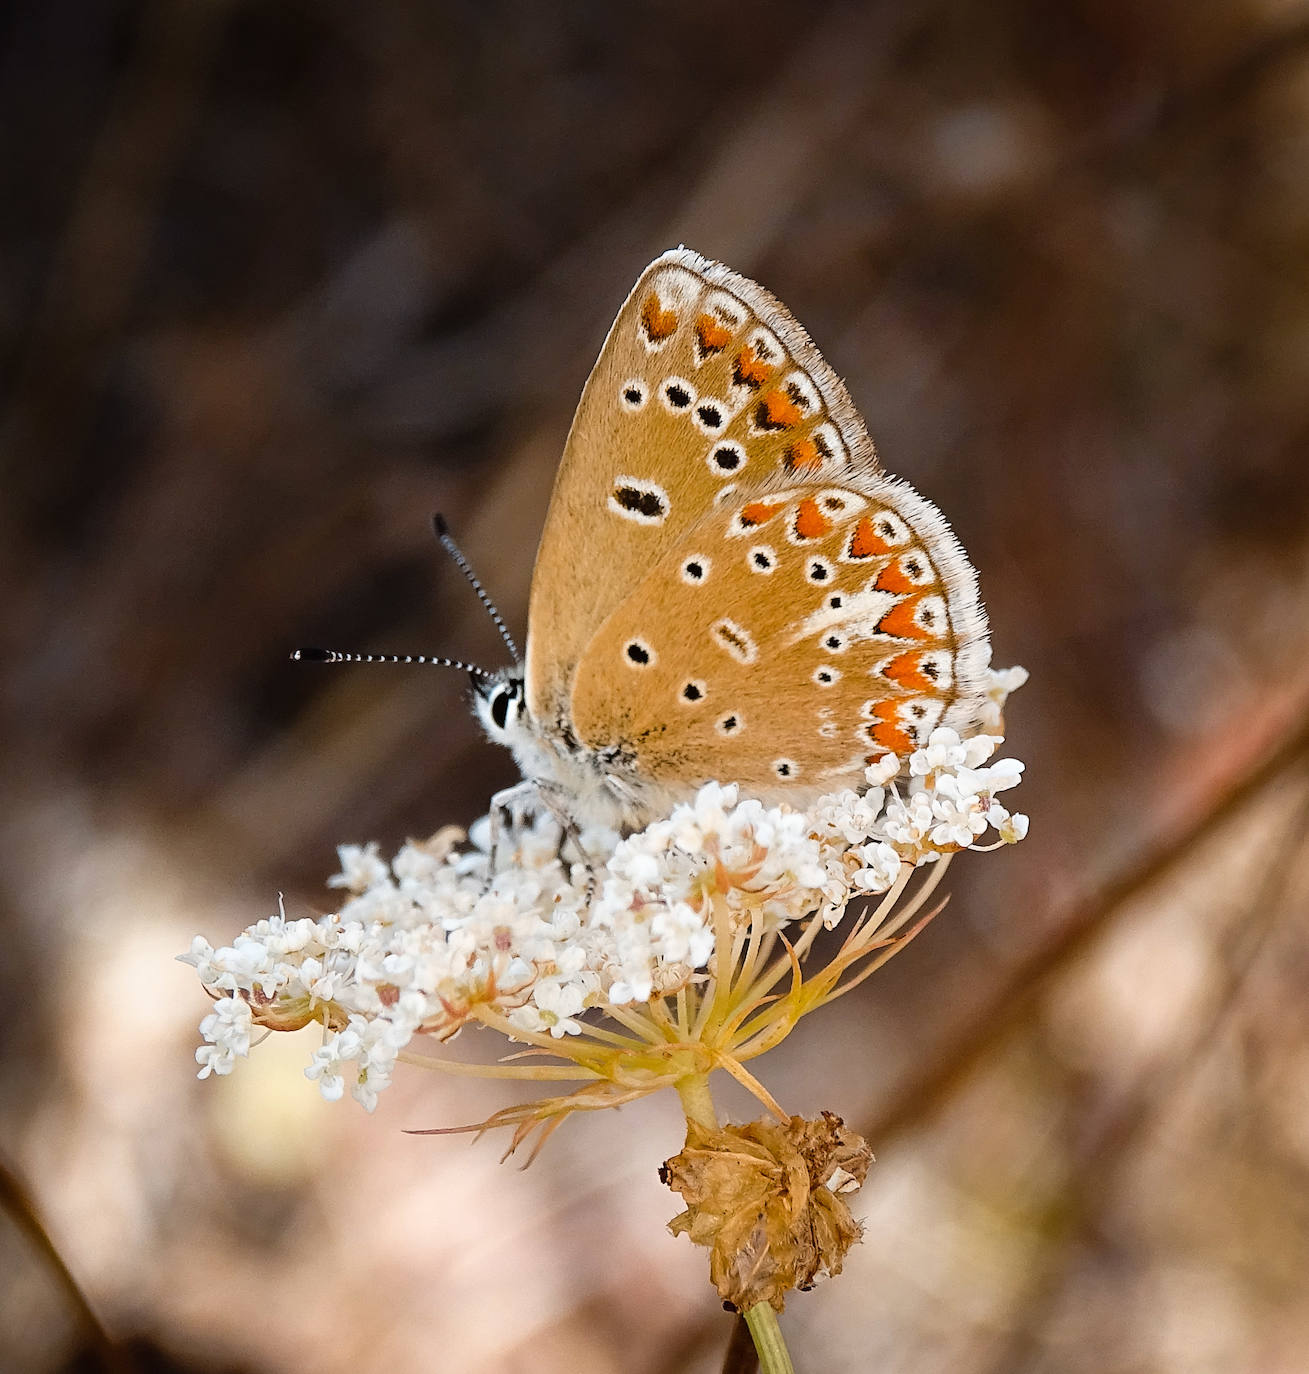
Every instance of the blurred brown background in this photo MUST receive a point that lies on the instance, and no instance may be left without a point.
(279, 280)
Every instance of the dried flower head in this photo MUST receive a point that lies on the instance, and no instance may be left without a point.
(766, 1199)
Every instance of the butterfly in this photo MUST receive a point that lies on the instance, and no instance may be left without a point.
(728, 587)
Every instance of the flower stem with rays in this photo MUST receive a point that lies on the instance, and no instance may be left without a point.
(734, 1017)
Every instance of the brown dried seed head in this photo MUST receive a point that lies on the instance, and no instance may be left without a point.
(763, 1197)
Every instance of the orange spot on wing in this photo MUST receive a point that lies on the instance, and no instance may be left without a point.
(899, 620)
(810, 522)
(892, 579)
(749, 370)
(714, 336)
(906, 671)
(776, 410)
(657, 322)
(893, 738)
(760, 512)
(887, 731)
(865, 542)
(803, 456)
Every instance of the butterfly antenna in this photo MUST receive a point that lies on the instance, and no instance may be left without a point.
(449, 545)
(335, 656)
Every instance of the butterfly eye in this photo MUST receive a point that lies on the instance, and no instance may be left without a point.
(693, 692)
(500, 706)
(638, 653)
(633, 395)
(695, 570)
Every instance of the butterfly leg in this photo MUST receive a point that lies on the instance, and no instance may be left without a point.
(556, 800)
(511, 810)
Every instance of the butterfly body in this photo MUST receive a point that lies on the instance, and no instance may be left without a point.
(728, 585)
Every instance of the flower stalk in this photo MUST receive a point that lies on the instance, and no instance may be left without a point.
(697, 1102)
(774, 1358)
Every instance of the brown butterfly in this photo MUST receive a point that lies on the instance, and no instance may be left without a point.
(728, 585)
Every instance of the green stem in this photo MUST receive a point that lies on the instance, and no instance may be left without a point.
(697, 1101)
(774, 1358)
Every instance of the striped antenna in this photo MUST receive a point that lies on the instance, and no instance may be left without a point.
(449, 545)
(308, 655)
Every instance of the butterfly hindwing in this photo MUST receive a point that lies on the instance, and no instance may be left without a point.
(789, 638)
(706, 388)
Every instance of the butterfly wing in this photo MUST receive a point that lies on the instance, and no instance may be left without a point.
(705, 386)
(787, 640)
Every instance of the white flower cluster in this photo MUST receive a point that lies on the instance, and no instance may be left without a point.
(659, 884)
(532, 938)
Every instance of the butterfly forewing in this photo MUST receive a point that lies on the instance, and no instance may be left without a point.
(788, 639)
(706, 389)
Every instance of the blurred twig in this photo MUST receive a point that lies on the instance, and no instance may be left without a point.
(18, 1203)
